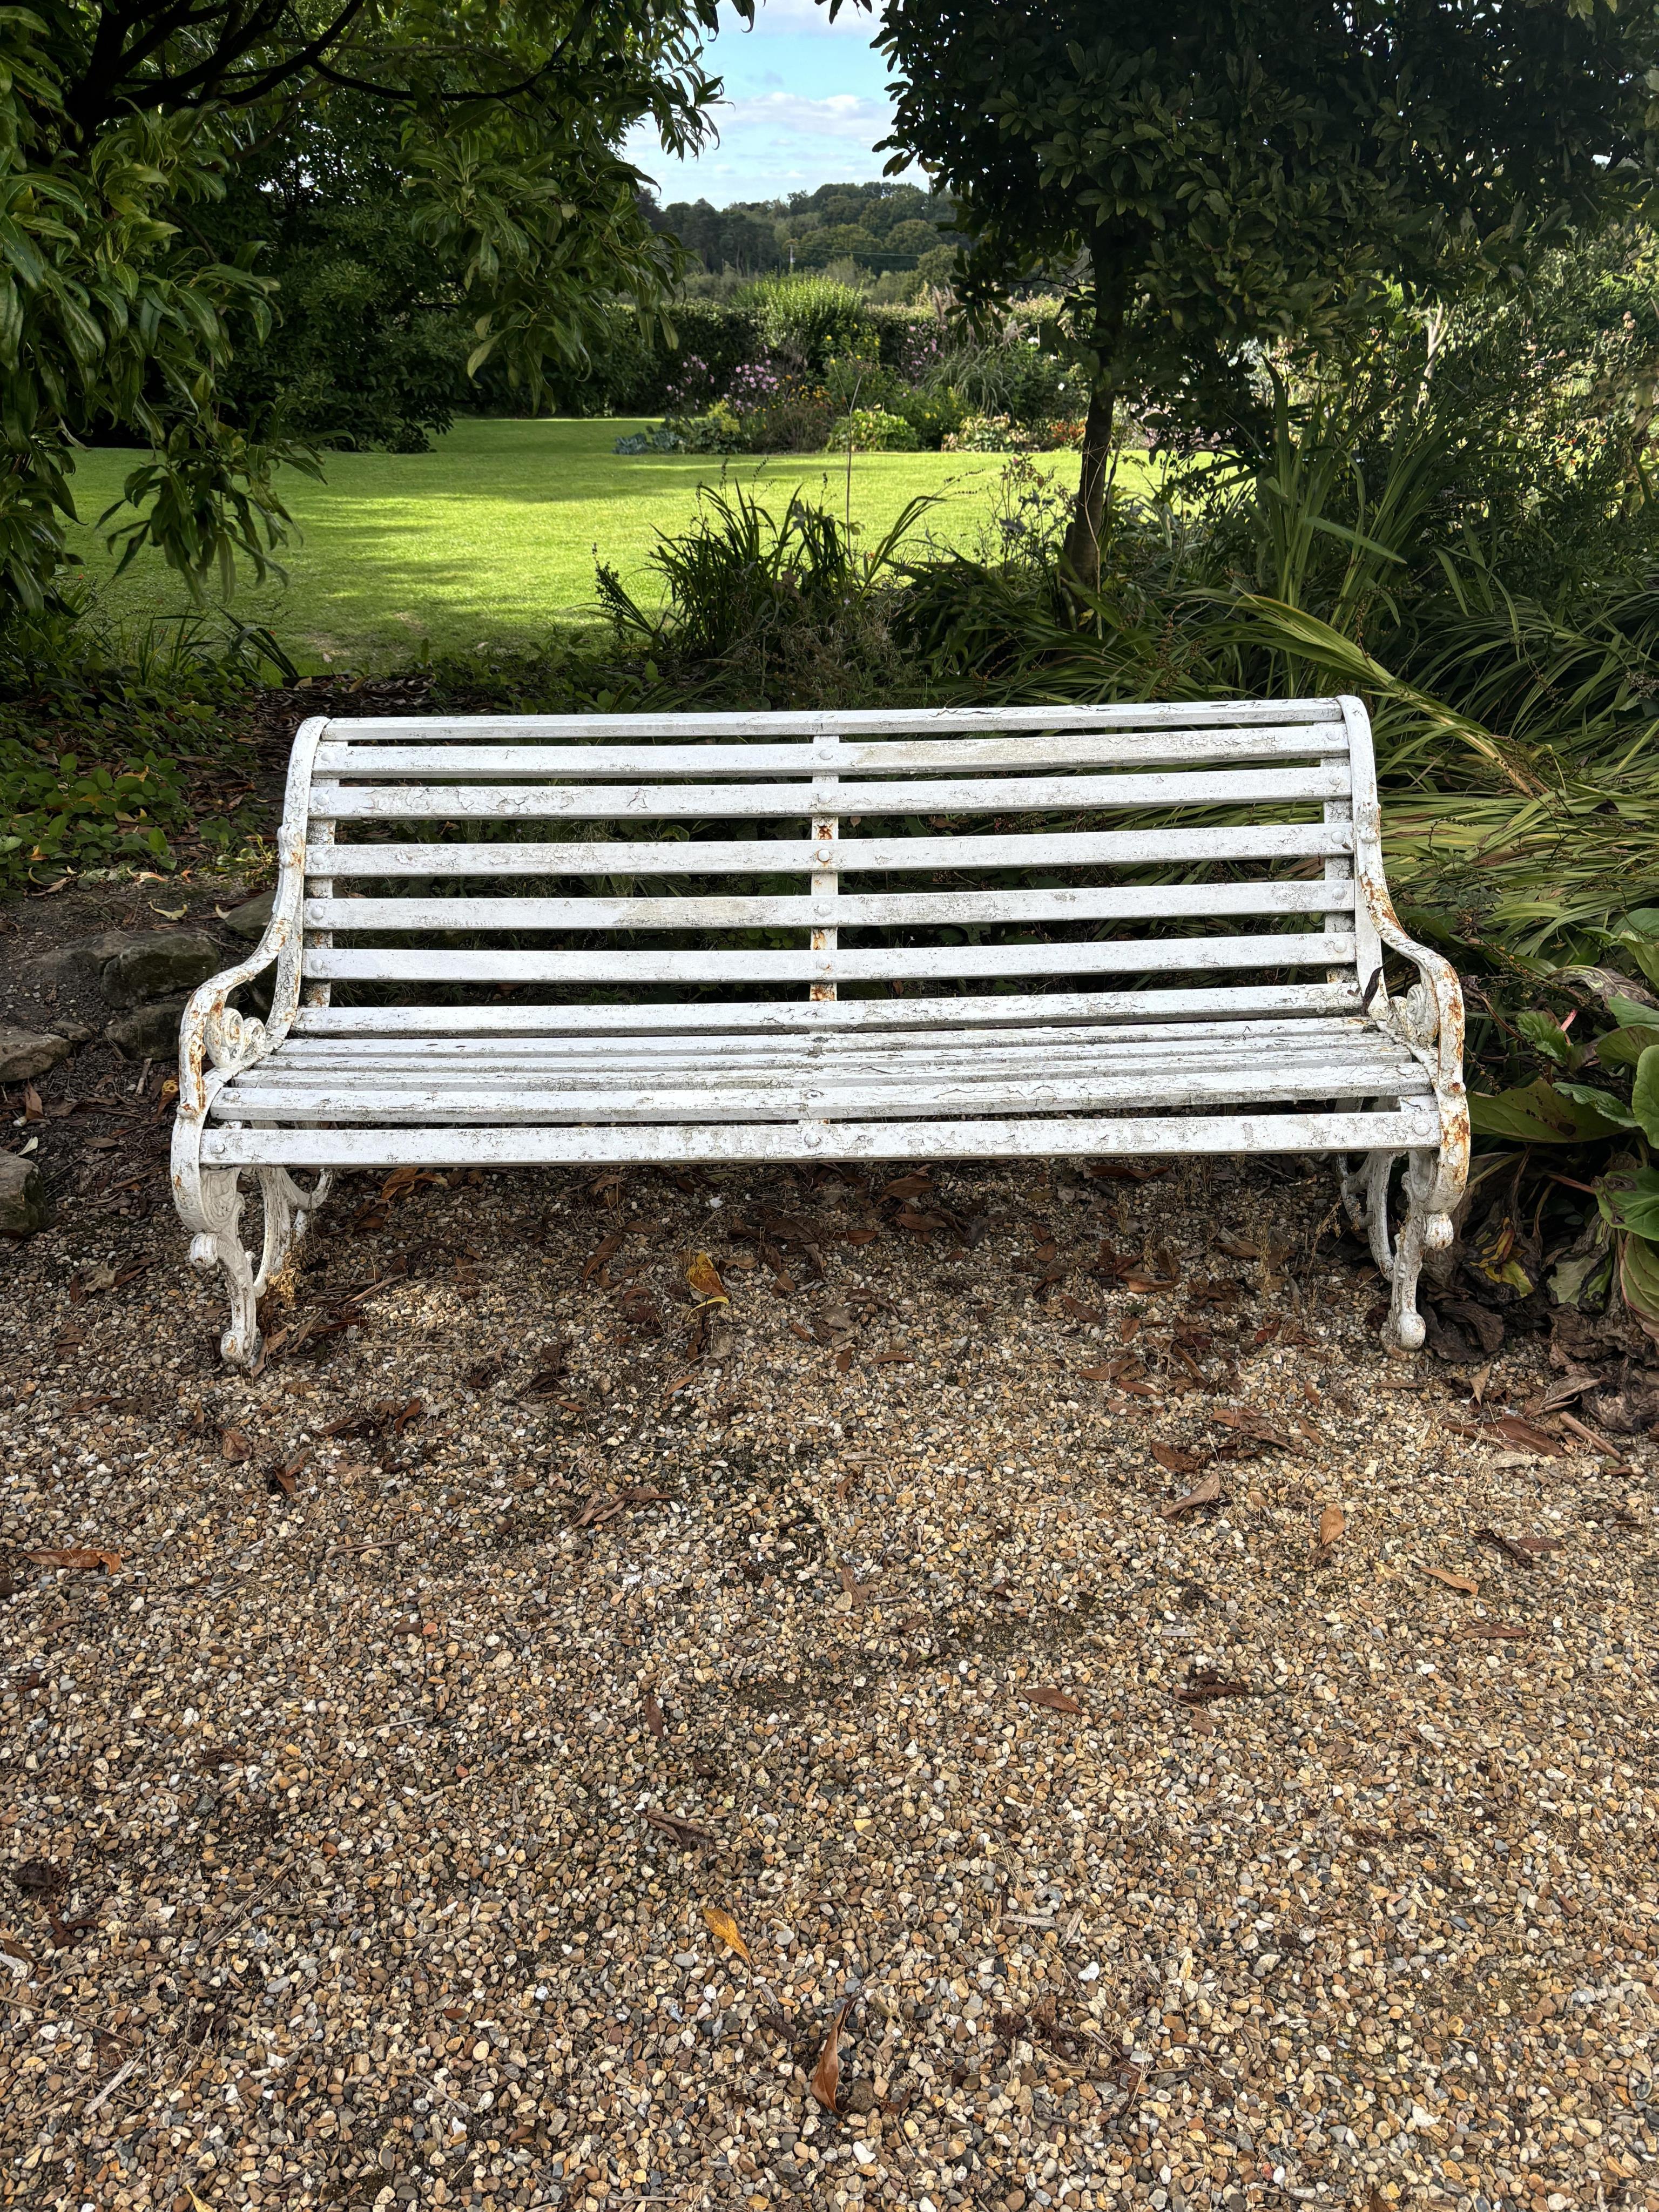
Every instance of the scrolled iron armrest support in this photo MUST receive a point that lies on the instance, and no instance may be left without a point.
(1428, 1022)
(215, 1040)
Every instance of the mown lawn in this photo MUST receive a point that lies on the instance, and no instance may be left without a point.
(490, 538)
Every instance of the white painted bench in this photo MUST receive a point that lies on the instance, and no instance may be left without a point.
(1067, 987)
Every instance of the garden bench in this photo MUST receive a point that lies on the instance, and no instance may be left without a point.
(969, 933)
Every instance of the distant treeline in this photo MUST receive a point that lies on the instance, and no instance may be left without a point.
(886, 228)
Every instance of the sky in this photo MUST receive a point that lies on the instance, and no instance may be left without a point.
(806, 102)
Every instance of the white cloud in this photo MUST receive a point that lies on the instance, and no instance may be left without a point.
(843, 115)
(812, 18)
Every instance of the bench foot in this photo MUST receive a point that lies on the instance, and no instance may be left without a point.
(1427, 1227)
(218, 1243)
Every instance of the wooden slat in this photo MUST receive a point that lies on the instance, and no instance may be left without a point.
(510, 764)
(822, 722)
(857, 964)
(1134, 1136)
(850, 1098)
(1292, 1073)
(651, 802)
(943, 1010)
(1098, 1043)
(856, 911)
(680, 856)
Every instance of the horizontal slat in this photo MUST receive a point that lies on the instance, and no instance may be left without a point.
(1102, 1043)
(913, 1096)
(1133, 1136)
(651, 802)
(508, 764)
(1361, 1068)
(810, 1017)
(848, 910)
(818, 722)
(861, 964)
(849, 853)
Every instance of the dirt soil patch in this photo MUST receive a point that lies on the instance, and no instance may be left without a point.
(986, 1689)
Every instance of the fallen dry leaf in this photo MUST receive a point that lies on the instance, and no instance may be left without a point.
(825, 2083)
(671, 1825)
(235, 1446)
(654, 1717)
(605, 1250)
(1179, 1460)
(723, 1925)
(909, 1186)
(1331, 1521)
(1203, 1493)
(1204, 1685)
(1090, 1316)
(1496, 1631)
(1057, 1701)
(1527, 1437)
(703, 1277)
(1512, 1547)
(78, 1559)
(1469, 1588)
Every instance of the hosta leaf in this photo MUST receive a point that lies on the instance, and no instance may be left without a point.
(1645, 1094)
(1623, 1047)
(1540, 1113)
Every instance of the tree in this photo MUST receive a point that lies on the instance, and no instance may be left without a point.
(122, 121)
(1200, 175)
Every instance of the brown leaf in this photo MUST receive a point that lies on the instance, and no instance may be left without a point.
(1463, 1582)
(281, 1480)
(1252, 1425)
(1495, 1631)
(1203, 1493)
(1179, 1460)
(1527, 1437)
(724, 1926)
(1056, 1700)
(603, 1251)
(78, 1559)
(909, 1186)
(1331, 1521)
(1089, 1315)
(235, 1446)
(32, 1109)
(681, 1830)
(703, 1277)
(852, 1585)
(859, 1236)
(40, 1878)
(411, 1412)
(1204, 1685)
(1237, 1248)
(825, 2083)
(654, 1717)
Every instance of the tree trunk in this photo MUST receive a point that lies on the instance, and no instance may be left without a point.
(1080, 557)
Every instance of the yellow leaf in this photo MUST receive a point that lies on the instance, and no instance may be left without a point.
(703, 1277)
(723, 1925)
(1331, 1521)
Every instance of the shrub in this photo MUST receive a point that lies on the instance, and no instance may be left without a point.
(933, 415)
(872, 430)
(807, 321)
(718, 431)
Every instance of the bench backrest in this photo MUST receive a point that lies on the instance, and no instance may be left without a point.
(1202, 855)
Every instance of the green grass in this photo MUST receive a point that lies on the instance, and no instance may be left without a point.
(489, 539)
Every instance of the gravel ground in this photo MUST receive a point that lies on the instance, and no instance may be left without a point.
(378, 1775)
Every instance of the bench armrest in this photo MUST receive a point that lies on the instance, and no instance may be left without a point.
(214, 1039)
(1429, 1018)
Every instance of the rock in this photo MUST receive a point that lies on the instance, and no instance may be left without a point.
(150, 1032)
(250, 921)
(25, 1052)
(23, 1208)
(157, 962)
(83, 959)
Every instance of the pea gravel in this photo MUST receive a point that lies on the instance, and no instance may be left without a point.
(361, 1815)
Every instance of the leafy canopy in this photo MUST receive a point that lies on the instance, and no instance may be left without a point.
(1206, 172)
(121, 124)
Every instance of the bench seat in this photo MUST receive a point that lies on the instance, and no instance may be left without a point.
(664, 1081)
(719, 938)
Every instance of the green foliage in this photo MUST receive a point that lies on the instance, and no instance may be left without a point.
(1215, 175)
(808, 320)
(872, 430)
(777, 609)
(106, 755)
(120, 314)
